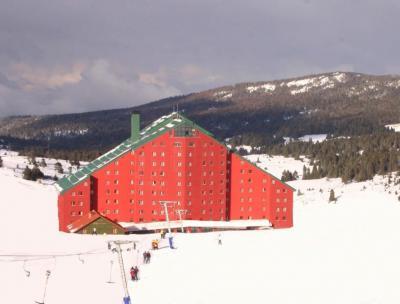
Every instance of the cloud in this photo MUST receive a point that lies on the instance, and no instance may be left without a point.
(32, 78)
(71, 56)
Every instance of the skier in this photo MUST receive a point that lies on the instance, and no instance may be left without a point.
(136, 273)
(132, 272)
(148, 256)
(219, 239)
(145, 257)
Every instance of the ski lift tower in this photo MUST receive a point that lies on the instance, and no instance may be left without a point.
(127, 298)
(165, 205)
(180, 212)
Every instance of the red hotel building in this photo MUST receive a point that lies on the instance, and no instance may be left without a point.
(173, 159)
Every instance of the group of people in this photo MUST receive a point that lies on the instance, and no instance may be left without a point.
(134, 273)
(146, 257)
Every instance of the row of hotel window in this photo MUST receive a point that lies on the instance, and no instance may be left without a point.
(161, 212)
(153, 192)
(189, 203)
(162, 182)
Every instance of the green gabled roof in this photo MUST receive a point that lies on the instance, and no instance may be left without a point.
(155, 129)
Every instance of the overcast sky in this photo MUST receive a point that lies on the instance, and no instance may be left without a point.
(61, 56)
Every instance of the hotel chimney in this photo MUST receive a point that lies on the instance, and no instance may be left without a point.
(135, 126)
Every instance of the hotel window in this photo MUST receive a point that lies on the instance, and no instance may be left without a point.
(162, 183)
(141, 164)
(189, 164)
(241, 190)
(162, 154)
(162, 193)
(108, 191)
(141, 173)
(241, 208)
(154, 183)
(141, 192)
(177, 144)
(141, 212)
(250, 208)
(249, 180)
(115, 201)
(116, 172)
(116, 191)
(204, 173)
(179, 193)
(141, 202)
(189, 184)
(153, 192)
(211, 191)
(132, 191)
(241, 199)
(264, 189)
(131, 201)
(85, 184)
(73, 203)
(132, 152)
(154, 153)
(189, 173)
(278, 200)
(162, 164)
(116, 163)
(204, 182)
(141, 182)
(250, 171)
(203, 211)
(179, 173)
(115, 182)
(264, 180)
(154, 164)
(190, 154)
(108, 183)
(241, 181)
(179, 154)
(241, 171)
(154, 212)
(284, 190)
(162, 173)
(278, 190)
(221, 172)
(285, 200)
(153, 173)
(132, 162)
(80, 213)
(189, 203)
(80, 193)
(250, 200)
(116, 211)
(263, 209)
(108, 172)
(203, 163)
(211, 173)
(131, 172)
(284, 209)
(131, 211)
(141, 153)
(211, 183)
(277, 209)
(250, 190)
(179, 183)
(273, 182)
(81, 203)
(191, 144)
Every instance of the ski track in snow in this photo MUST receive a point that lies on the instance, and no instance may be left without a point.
(336, 253)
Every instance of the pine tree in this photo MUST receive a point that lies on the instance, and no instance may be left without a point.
(43, 163)
(27, 174)
(332, 197)
(58, 167)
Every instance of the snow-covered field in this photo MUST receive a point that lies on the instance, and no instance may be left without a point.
(344, 252)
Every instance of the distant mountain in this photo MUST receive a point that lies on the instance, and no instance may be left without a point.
(336, 103)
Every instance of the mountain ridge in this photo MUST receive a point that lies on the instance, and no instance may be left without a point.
(339, 103)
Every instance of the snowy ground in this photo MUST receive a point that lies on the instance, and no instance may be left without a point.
(346, 252)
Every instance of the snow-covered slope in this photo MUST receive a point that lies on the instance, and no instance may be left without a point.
(336, 253)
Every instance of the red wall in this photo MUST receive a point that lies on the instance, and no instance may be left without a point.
(258, 195)
(73, 203)
(194, 172)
